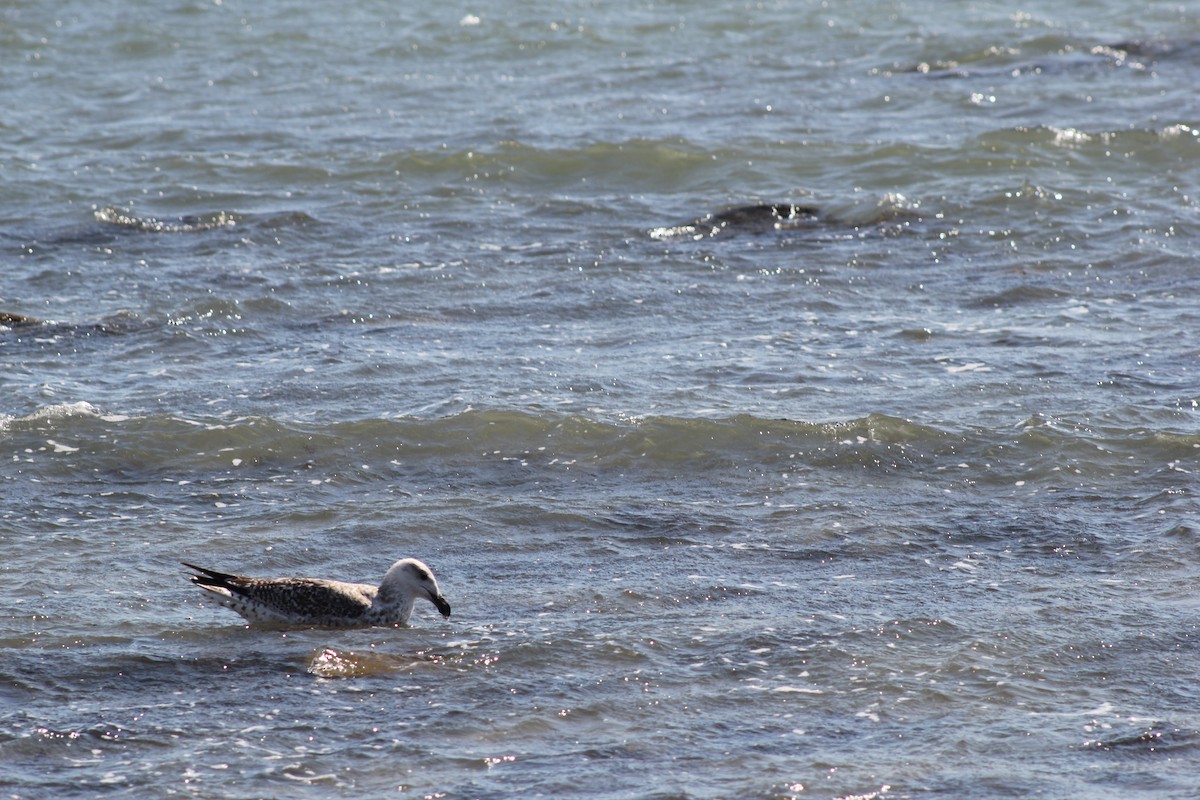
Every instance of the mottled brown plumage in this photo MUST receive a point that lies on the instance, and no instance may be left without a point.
(316, 601)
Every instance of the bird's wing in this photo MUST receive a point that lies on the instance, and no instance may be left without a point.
(301, 597)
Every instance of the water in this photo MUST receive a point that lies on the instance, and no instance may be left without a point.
(894, 500)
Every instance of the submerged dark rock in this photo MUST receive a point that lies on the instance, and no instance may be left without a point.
(190, 223)
(1000, 62)
(751, 219)
(762, 214)
(1182, 48)
(11, 320)
(116, 324)
(1155, 739)
(891, 213)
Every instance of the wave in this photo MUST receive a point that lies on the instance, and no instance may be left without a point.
(1178, 140)
(635, 162)
(692, 185)
(110, 224)
(64, 438)
(55, 412)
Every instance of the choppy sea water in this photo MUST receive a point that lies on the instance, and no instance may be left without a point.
(792, 399)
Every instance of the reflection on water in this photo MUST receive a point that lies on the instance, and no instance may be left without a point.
(329, 662)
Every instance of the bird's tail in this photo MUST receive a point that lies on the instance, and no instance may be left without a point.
(210, 578)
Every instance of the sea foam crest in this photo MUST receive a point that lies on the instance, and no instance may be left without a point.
(55, 411)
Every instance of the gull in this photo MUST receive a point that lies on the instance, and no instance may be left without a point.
(326, 603)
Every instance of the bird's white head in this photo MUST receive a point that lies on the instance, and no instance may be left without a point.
(410, 578)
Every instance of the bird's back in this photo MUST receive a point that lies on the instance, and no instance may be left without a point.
(306, 601)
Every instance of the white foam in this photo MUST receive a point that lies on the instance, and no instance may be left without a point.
(81, 408)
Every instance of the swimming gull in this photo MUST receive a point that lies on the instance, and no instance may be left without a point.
(316, 601)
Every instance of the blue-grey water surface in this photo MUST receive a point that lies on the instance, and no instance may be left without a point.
(893, 497)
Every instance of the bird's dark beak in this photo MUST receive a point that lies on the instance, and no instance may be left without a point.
(442, 605)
